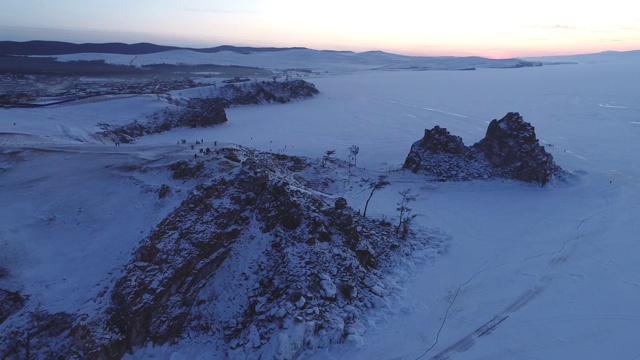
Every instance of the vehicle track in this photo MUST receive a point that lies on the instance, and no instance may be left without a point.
(560, 256)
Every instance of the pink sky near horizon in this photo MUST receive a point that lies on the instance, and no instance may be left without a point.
(493, 28)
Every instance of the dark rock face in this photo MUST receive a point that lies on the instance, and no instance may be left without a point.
(509, 150)
(199, 112)
(10, 302)
(185, 170)
(340, 203)
(511, 146)
(163, 191)
(52, 336)
(260, 92)
(445, 157)
(439, 140)
(203, 112)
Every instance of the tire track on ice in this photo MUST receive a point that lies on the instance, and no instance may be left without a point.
(468, 341)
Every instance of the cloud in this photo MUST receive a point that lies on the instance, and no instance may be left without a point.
(564, 27)
(587, 29)
(555, 27)
(628, 27)
(222, 11)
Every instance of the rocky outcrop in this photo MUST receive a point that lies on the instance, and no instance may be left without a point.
(305, 262)
(253, 259)
(445, 157)
(209, 111)
(260, 92)
(509, 150)
(511, 147)
(198, 112)
(202, 112)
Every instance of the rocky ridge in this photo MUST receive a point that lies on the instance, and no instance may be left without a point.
(208, 111)
(509, 150)
(256, 259)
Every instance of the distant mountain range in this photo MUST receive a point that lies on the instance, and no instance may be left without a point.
(39, 47)
(145, 54)
(54, 48)
(632, 56)
(142, 54)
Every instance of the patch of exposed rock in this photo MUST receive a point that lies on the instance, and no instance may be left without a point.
(43, 336)
(509, 150)
(10, 302)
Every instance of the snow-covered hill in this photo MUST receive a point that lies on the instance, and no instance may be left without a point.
(305, 59)
(528, 272)
(609, 57)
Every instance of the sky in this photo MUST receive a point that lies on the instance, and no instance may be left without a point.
(490, 28)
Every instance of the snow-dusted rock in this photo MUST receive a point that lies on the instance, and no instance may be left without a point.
(209, 111)
(300, 303)
(328, 289)
(239, 256)
(280, 312)
(254, 336)
(509, 150)
(354, 341)
(378, 290)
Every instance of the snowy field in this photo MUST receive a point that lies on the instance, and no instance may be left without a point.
(532, 273)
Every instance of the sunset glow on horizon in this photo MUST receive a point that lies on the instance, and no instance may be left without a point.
(496, 29)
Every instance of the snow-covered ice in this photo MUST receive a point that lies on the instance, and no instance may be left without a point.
(532, 272)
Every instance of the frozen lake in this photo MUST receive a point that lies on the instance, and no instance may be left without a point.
(574, 107)
(539, 273)
(533, 273)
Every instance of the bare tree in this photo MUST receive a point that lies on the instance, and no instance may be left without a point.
(380, 183)
(405, 212)
(328, 156)
(353, 153)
